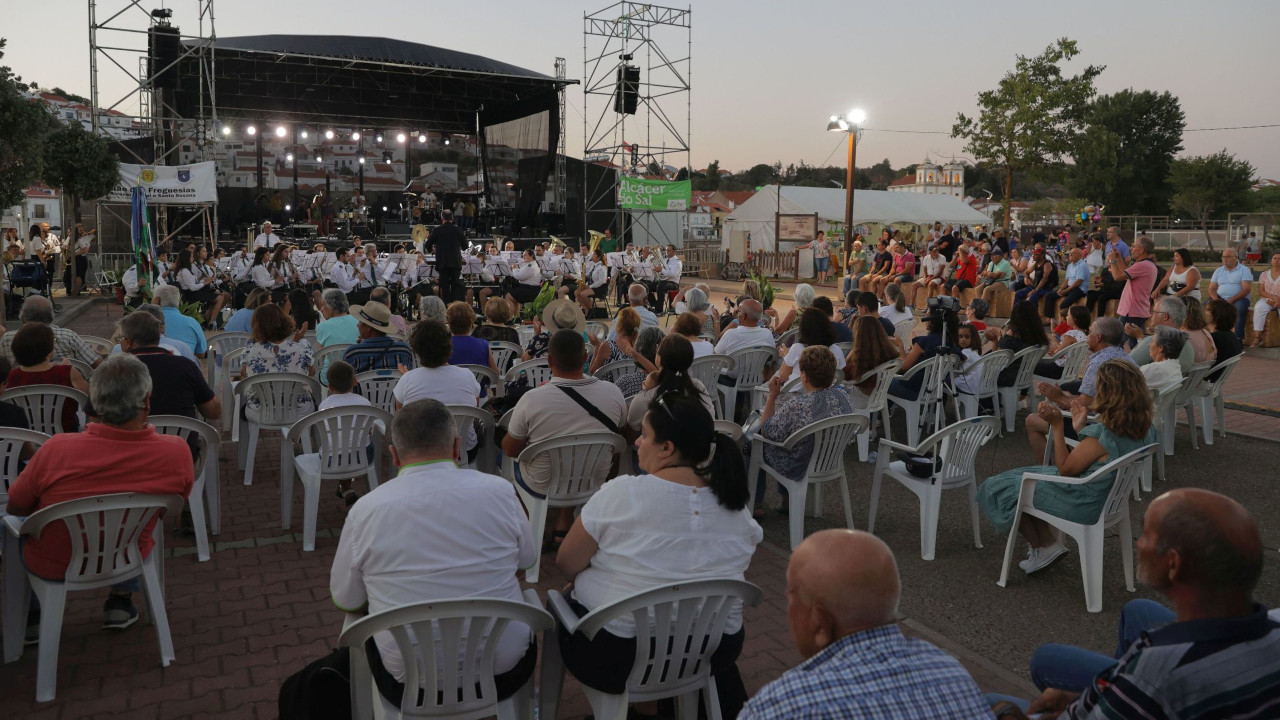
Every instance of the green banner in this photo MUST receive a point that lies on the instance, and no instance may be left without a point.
(641, 194)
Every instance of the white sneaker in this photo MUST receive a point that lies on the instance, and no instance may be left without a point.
(1041, 558)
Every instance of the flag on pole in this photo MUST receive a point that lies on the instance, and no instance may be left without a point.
(144, 246)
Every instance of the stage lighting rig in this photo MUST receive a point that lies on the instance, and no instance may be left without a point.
(400, 138)
(386, 157)
(328, 134)
(226, 130)
(355, 135)
(360, 157)
(251, 129)
(422, 138)
(288, 157)
(446, 141)
(378, 138)
(280, 131)
(319, 156)
(303, 134)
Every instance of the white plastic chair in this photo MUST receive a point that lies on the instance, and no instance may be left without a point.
(43, 404)
(618, 369)
(1208, 394)
(926, 407)
(536, 369)
(1127, 470)
(227, 379)
(326, 355)
(708, 370)
(426, 632)
(505, 354)
(278, 408)
(489, 379)
(678, 629)
(599, 329)
(989, 366)
(206, 495)
(789, 336)
(902, 333)
(334, 443)
(12, 442)
(467, 417)
(378, 387)
(829, 439)
(85, 369)
(580, 463)
(956, 446)
(877, 402)
(730, 428)
(219, 346)
(104, 532)
(1025, 360)
(1077, 356)
(101, 346)
(749, 364)
(845, 348)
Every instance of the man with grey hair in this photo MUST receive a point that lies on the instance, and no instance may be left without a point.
(1171, 312)
(177, 347)
(1105, 338)
(434, 531)
(119, 453)
(637, 296)
(178, 387)
(338, 326)
(1140, 274)
(179, 326)
(66, 343)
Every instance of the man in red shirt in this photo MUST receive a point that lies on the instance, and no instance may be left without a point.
(119, 453)
(966, 272)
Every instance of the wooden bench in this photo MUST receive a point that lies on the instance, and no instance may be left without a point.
(1270, 331)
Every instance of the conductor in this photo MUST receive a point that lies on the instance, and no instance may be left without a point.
(446, 242)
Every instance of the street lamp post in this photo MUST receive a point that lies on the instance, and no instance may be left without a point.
(850, 124)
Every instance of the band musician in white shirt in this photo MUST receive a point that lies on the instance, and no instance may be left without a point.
(266, 238)
(668, 279)
(343, 276)
(570, 271)
(597, 276)
(525, 281)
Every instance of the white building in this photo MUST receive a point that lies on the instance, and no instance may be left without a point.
(41, 204)
(933, 179)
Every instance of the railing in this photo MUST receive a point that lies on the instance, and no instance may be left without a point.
(779, 264)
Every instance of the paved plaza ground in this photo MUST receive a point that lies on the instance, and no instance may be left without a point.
(259, 609)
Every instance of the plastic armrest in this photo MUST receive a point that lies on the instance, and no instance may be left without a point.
(1061, 479)
(531, 597)
(884, 443)
(560, 610)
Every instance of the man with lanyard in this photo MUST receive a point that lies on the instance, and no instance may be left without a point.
(446, 242)
(1139, 270)
(668, 279)
(266, 238)
(369, 273)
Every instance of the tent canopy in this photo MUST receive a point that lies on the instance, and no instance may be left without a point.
(870, 207)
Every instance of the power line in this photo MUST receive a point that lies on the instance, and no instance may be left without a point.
(1236, 127)
(948, 132)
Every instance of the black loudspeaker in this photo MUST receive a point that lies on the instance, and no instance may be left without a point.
(627, 92)
(362, 231)
(164, 45)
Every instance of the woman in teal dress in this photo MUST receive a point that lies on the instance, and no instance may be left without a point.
(1125, 411)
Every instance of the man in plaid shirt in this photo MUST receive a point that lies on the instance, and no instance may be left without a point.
(842, 601)
(66, 344)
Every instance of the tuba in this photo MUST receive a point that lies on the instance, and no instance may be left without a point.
(596, 237)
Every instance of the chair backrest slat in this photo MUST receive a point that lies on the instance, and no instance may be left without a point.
(708, 368)
(378, 387)
(43, 404)
(750, 364)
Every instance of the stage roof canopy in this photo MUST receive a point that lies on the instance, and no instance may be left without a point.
(364, 81)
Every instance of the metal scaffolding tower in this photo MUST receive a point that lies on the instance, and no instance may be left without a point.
(558, 182)
(657, 41)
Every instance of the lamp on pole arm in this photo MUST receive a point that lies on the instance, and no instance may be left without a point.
(851, 124)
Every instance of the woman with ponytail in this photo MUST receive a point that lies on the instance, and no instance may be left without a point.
(675, 355)
(684, 519)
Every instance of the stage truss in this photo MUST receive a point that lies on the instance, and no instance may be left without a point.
(658, 40)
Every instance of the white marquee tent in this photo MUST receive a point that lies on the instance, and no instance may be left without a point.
(870, 207)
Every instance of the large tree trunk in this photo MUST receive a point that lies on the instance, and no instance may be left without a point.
(1008, 197)
(1204, 225)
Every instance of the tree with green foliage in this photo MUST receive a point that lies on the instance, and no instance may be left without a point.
(759, 174)
(1207, 187)
(1032, 117)
(24, 124)
(1122, 159)
(80, 163)
(709, 181)
(1266, 200)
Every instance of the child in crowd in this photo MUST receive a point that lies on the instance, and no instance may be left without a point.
(971, 347)
(342, 385)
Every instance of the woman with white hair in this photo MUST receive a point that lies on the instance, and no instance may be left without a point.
(697, 300)
(804, 296)
(432, 308)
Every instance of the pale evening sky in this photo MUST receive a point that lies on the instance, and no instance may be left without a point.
(766, 75)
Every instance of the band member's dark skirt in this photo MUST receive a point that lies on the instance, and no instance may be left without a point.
(524, 293)
(205, 294)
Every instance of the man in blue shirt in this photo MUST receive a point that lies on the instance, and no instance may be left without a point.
(1115, 242)
(842, 599)
(179, 326)
(1233, 282)
(1077, 283)
(637, 296)
(377, 349)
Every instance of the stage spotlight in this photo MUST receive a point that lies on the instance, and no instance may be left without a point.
(328, 134)
(252, 130)
(303, 134)
(446, 141)
(280, 131)
(355, 135)
(378, 138)
(226, 129)
(287, 208)
(319, 157)
(288, 157)
(400, 137)
(360, 157)
(422, 138)
(384, 208)
(386, 157)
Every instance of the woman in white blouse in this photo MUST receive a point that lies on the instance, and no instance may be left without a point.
(260, 272)
(815, 330)
(196, 286)
(685, 519)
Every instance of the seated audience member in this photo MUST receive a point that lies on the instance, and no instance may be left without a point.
(872, 347)
(696, 301)
(342, 388)
(1164, 370)
(1104, 340)
(747, 333)
(646, 353)
(870, 306)
(842, 600)
(66, 343)
(32, 349)
(437, 531)
(497, 316)
(556, 316)
(567, 404)
(976, 312)
(1216, 654)
(968, 378)
(1233, 282)
(622, 344)
(688, 327)
(637, 296)
(467, 349)
(924, 347)
(177, 325)
(297, 305)
(682, 520)
(239, 320)
(1023, 330)
(1125, 410)
(177, 347)
(897, 310)
(276, 348)
(379, 348)
(382, 296)
(996, 278)
(432, 308)
(1221, 316)
(1196, 328)
(674, 356)
(815, 331)
(803, 298)
(338, 326)
(437, 379)
(1078, 331)
(178, 386)
(1268, 299)
(841, 329)
(1169, 312)
(119, 453)
(781, 417)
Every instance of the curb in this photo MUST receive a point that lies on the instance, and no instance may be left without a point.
(79, 309)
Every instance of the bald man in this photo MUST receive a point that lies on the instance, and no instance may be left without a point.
(842, 601)
(1217, 654)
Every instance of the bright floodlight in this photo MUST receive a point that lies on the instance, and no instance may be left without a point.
(328, 134)
(422, 138)
(287, 208)
(252, 130)
(361, 160)
(280, 131)
(857, 116)
(400, 137)
(446, 141)
(837, 124)
(377, 138)
(226, 129)
(355, 135)
(384, 208)
(303, 134)
(288, 157)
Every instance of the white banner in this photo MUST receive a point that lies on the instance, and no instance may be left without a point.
(167, 184)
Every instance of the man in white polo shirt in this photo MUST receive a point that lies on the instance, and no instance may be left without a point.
(747, 332)
(266, 238)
